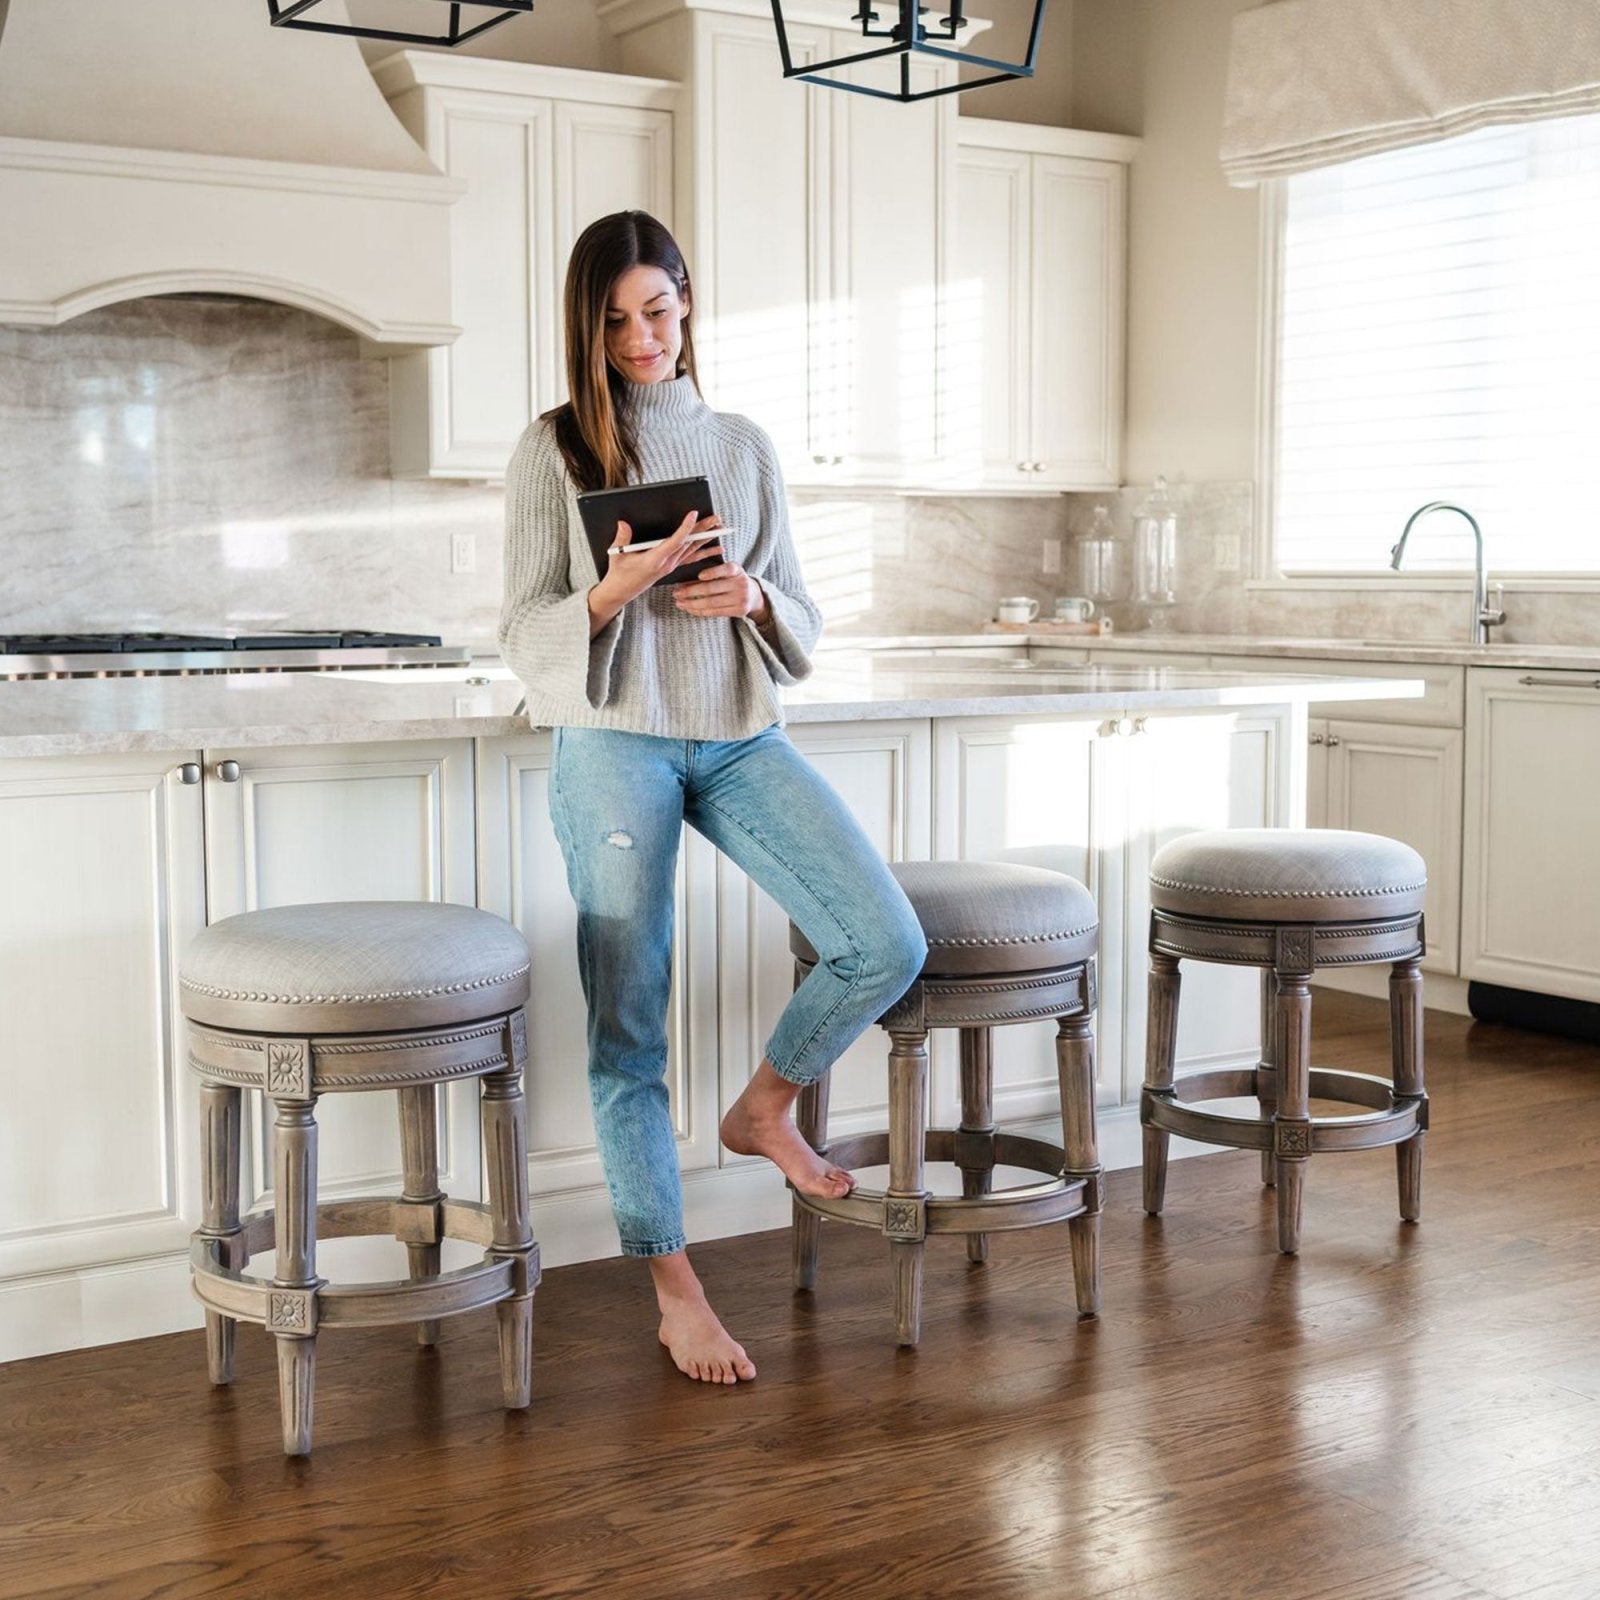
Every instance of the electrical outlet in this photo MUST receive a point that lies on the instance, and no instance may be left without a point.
(1051, 560)
(1225, 556)
(463, 552)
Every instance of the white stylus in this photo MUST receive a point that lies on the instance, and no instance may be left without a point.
(650, 544)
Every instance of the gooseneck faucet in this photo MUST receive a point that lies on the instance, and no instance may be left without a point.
(1484, 616)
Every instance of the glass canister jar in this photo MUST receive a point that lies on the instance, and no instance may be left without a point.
(1155, 556)
(1098, 578)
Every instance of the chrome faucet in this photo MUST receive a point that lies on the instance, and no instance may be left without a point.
(1484, 616)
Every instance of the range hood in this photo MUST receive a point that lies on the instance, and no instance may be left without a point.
(171, 146)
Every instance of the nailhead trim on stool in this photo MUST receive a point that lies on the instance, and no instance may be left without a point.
(301, 1001)
(1286, 900)
(1006, 943)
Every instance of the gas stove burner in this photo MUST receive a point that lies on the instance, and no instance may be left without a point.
(361, 640)
(80, 644)
(287, 641)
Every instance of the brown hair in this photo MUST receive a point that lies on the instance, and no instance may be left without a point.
(593, 431)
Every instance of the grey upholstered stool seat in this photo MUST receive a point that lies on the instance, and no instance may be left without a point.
(300, 1001)
(1006, 944)
(1287, 900)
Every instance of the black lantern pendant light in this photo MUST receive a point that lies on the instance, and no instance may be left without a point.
(909, 35)
(292, 14)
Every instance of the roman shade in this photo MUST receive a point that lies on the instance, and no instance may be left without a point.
(1315, 82)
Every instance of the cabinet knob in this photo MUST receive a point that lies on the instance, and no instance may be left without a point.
(189, 772)
(1024, 466)
(819, 461)
(1333, 739)
(837, 461)
(228, 771)
(1317, 738)
(1038, 466)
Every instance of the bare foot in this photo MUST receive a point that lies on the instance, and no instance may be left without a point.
(699, 1345)
(750, 1133)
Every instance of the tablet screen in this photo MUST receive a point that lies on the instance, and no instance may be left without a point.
(652, 511)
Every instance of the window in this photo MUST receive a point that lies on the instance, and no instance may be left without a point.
(1438, 337)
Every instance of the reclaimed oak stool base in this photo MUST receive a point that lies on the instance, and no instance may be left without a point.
(1005, 944)
(301, 1001)
(1288, 901)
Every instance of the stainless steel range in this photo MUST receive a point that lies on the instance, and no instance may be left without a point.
(137, 655)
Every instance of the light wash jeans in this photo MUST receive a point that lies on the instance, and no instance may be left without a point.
(618, 801)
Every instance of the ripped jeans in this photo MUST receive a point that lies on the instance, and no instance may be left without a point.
(618, 802)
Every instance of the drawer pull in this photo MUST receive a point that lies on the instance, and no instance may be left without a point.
(1532, 682)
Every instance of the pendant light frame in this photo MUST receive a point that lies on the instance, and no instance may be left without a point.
(910, 36)
(292, 14)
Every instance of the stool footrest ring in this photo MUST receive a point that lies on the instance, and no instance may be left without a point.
(1020, 1206)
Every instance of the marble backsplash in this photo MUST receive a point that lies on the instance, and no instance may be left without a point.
(213, 463)
(204, 462)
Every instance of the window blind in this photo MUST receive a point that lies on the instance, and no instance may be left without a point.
(1439, 338)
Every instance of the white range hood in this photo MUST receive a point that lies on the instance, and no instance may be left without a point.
(163, 146)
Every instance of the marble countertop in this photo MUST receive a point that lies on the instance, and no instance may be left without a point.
(58, 717)
(1579, 658)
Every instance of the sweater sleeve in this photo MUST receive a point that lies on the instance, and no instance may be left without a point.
(796, 621)
(544, 615)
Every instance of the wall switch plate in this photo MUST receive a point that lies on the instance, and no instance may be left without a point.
(1051, 559)
(463, 552)
(1225, 554)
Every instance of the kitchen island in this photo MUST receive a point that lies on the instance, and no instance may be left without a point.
(133, 811)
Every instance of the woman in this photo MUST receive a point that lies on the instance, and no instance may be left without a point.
(665, 709)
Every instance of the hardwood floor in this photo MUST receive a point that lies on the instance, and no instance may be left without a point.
(1398, 1414)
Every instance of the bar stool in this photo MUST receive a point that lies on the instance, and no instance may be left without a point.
(300, 1001)
(1287, 900)
(1005, 944)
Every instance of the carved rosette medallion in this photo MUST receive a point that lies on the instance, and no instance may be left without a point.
(519, 1037)
(1294, 949)
(289, 1311)
(289, 1069)
(1291, 1138)
(904, 1219)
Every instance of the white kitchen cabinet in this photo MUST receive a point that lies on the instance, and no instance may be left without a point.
(1095, 798)
(101, 860)
(1033, 329)
(1530, 917)
(544, 151)
(522, 877)
(881, 770)
(817, 229)
(291, 825)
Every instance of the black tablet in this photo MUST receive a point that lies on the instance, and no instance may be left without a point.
(652, 511)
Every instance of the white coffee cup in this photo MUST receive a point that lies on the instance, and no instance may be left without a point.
(1073, 608)
(1016, 608)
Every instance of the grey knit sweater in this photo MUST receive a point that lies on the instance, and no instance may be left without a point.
(653, 668)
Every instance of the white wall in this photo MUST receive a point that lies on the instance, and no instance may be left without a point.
(1157, 68)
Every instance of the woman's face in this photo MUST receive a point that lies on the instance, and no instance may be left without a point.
(644, 325)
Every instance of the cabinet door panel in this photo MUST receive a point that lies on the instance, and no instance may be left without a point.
(1191, 772)
(486, 383)
(1076, 343)
(1406, 783)
(762, 269)
(522, 877)
(986, 325)
(348, 822)
(1530, 917)
(1041, 793)
(880, 770)
(101, 859)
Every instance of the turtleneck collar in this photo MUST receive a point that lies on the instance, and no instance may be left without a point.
(671, 399)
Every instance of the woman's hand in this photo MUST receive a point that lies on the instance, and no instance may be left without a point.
(626, 577)
(723, 591)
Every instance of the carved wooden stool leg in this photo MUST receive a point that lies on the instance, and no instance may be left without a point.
(1267, 1071)
(975, 1141)
(419, 1156)
(292, 1303)
(1075, 1069)
(1291, 1125)
(811, 1117)
(505, 1141)
(219, 1208)
(1161, 1059)
(905, 1218)
(1405, 1020)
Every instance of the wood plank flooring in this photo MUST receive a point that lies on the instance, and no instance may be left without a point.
(1399, 1414)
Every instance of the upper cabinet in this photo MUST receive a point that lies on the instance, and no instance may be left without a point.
(1034, 320)
(544, 151)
